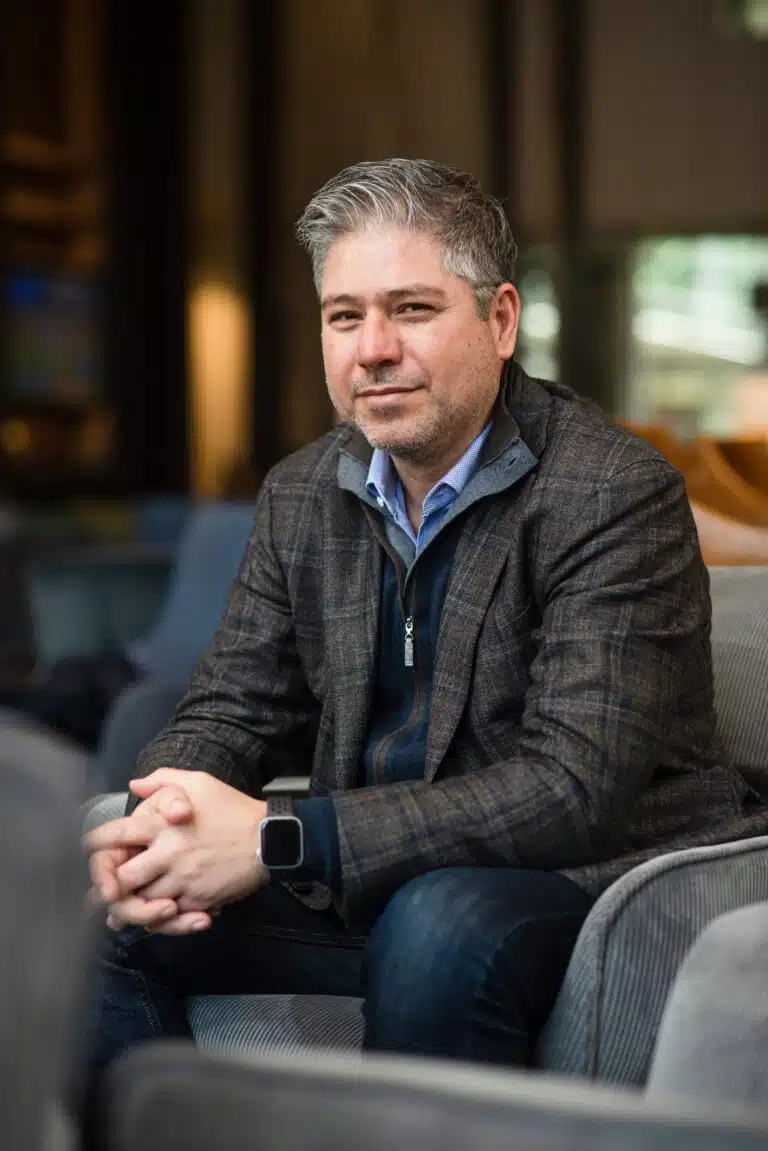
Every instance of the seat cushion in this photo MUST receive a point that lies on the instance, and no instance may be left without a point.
(235, 1025)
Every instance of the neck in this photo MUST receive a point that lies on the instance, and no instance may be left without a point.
(417, 483)
(418, 478)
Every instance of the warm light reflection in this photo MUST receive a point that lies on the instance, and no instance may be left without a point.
(220, 358)
(15, 437)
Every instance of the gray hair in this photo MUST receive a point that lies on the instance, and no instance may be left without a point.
(471, 227)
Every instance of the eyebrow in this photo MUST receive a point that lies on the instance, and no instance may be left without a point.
(392, 296)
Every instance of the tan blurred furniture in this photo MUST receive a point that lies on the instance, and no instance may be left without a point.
(748, 456)
(713, 476)
(710, 478)
(726, 542)
(730, 509)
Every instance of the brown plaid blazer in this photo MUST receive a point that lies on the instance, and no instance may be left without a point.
(572, 724)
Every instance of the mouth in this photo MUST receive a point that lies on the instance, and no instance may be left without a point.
(380, 393)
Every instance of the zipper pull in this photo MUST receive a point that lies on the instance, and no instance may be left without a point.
(409, 641)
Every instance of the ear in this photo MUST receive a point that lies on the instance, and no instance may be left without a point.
(503, 319)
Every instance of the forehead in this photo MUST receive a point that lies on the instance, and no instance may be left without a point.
(379, 260)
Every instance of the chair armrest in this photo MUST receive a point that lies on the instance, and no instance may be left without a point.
(297, 786)
(102, 808)
(630, 949)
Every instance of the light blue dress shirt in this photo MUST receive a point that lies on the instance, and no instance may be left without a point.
(384, 484)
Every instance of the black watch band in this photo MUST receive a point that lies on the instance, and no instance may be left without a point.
(281, 836)
(279, 805)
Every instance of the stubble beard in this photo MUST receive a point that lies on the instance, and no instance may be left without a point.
(417, 441)
(424, 437)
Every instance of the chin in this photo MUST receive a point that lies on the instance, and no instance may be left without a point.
(404, 449)
(407, 442)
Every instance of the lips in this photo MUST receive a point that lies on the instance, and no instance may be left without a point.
(375, 393)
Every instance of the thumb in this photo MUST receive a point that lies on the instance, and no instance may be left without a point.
(171, 800)
(147, 785)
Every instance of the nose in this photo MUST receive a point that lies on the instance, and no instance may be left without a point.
(378, 342)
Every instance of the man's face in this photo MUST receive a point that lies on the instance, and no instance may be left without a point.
(407, 358)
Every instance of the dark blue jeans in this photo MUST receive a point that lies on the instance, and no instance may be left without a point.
(463, 963)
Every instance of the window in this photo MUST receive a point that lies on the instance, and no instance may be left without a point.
(698, 334)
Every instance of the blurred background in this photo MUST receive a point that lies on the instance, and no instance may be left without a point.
(159, 337)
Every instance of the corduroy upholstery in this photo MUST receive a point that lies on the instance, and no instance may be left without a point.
(284, 1023)
(630, 949)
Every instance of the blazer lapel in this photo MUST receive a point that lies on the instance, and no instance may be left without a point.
(353, 582)
(481, 555)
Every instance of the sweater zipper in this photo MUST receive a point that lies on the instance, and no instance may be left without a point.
(381, 751)
(409, 641)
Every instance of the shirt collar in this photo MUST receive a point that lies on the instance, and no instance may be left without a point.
(383, 481)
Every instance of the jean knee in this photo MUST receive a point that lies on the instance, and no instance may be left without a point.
(425, 914)
(427, 949)
(426, 972)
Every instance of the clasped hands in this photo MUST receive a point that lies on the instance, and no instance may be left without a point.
(185, 852)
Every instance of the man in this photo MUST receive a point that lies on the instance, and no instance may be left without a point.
(477, 611)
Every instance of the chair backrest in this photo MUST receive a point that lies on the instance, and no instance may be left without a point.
(740, 664)
(210, 551)
(42, 892)
(332, 1102)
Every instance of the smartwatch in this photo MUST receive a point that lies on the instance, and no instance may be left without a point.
(281, 836)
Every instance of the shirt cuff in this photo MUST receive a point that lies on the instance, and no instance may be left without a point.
(322, 858)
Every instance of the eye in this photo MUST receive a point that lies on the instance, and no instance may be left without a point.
(343, 317)
(416, 308)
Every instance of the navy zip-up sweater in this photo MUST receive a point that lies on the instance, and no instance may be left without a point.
(412, 592)
(397, 738)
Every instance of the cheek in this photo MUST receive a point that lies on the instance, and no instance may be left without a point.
(337, 375)
(332, 362)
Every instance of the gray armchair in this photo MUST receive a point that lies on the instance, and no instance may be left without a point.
(606, 1018)
(210, 551)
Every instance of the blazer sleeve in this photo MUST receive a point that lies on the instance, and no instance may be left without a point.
(248, 713)
(624, 643)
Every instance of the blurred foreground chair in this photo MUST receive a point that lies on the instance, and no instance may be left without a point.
(42, 891)
(606, 1018)
(170, 1096)
(713, 1039)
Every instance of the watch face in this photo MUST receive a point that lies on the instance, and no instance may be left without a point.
(281, 842)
